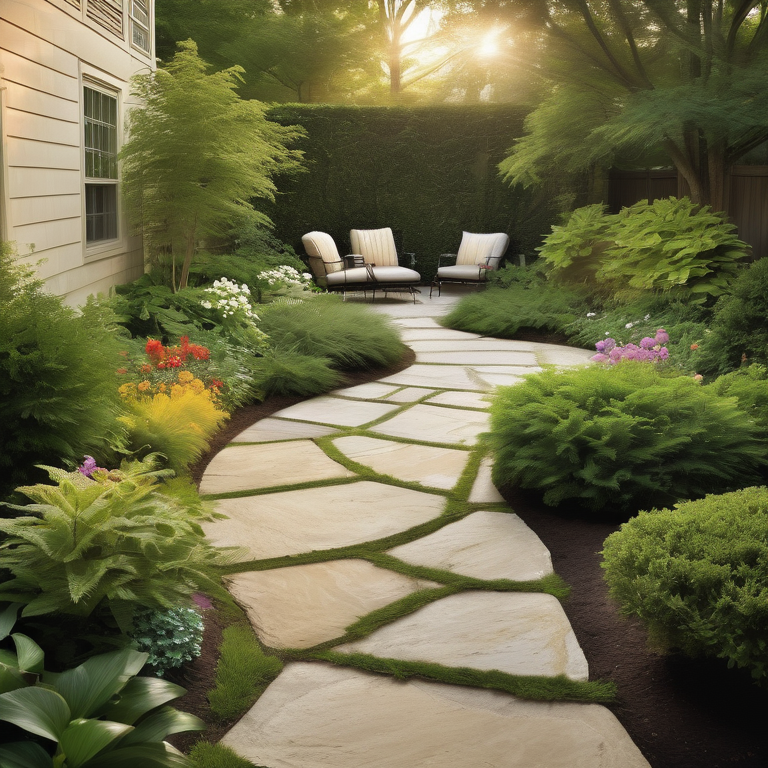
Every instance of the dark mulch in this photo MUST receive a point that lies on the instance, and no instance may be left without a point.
(681, 713)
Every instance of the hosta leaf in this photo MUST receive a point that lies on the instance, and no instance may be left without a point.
(37, 710)
(141, 695)
(85, 738)
(11, 679)
(158, 725)
(24, 754)
(145, 755)
(8, 619)
(29, 653)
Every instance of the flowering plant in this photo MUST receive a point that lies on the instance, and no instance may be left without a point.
(231, 299)
(649, 350)
(286, 276)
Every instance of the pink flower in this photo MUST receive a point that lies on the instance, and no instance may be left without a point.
(600, 358)
(662, 337)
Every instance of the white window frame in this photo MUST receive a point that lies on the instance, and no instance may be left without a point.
(132, 20)
(117, 245)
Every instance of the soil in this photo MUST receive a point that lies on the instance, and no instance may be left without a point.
(681, 713)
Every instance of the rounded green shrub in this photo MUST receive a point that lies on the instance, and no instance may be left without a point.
(697, 576)
(749, 385)
(170, 636)
(622, 438)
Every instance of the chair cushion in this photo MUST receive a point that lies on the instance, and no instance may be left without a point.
(462, 272)
(320, 245)
(355, 276)
(376, 245)
(482, 249)
(396, 275)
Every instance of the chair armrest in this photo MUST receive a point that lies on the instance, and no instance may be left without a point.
(353, 260)
(442, 256)
(412, 259)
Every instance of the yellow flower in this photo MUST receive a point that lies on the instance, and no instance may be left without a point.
(185, 377)
(197, 386)
(127, 390)
(177, 391)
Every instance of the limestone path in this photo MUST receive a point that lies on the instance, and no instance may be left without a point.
(396, 468)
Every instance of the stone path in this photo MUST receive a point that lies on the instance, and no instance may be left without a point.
(400, 475)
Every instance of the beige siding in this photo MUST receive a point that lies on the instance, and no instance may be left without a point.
(47, 49)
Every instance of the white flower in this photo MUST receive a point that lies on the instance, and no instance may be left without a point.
(206, 304)
(590, 314)
(629, 325)
(647, 317)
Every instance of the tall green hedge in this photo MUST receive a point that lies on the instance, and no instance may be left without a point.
(427, 172)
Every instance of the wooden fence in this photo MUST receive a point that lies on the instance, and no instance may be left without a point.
(746, 197)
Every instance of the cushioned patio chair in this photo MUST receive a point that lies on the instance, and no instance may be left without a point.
(477, 255)
(337, 274)
(377, 247)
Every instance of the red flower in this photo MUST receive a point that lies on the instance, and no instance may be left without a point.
(155, 350)
(174, 361)
(216, 384)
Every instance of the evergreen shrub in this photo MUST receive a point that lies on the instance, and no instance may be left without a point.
(622, 438)
(58, 377)
(286, 372)
(697, 576)
(749, 385)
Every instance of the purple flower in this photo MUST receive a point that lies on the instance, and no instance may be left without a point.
(662, 337)
(648, 343)
(663, 353)
(600, 358)
(88, 467)
(202, 601)
(606, 345)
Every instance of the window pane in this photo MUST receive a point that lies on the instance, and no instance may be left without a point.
(100, 212)
(100, 112)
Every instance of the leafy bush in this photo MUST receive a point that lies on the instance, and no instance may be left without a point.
(621, 437)
(740, 323)
(286, 372)
(697, 576)
(503, 312)
(114, 542)
(349, 335)
(58, 377)
(177, 425)
(98, 715)
(656, 246)
(749, 386)
(243, 673)
(169, 637)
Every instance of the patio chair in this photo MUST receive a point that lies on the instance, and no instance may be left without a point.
(477, 255)
(377, 247)
(337, 274)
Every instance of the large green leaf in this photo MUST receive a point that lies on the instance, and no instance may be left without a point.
(30, 654)
(145, 755)
(36, 710)
(139, 696)
(85, 738)
(88, 687)
(158, 725)
(11, 679)
(24, 754)
(8, 619)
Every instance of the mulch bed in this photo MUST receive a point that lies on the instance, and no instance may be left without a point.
(681, 713)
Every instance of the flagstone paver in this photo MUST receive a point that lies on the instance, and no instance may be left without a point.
(318, 716)
(270, 430)
(246, 467)
(304, 605)
(436, 425)
(334, 410)
(428, 465)
(485, 545)
(521, 633)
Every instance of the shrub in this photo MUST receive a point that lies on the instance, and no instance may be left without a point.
(169, 637)
(177, 425)
(114, 542)
(350, 336)
(243, 673)
(697, 576)
(621, 437)
(749, 385)
(286, 372)
(58, 377)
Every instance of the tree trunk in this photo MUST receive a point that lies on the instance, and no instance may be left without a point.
(718, 176)
(187, 260)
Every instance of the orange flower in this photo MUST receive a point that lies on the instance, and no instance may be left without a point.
(694, 346)
(185, 377)
(146, 368)
(144, 386)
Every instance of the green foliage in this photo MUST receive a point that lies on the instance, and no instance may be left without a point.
(740, 323)
(657, 246)
(349, 335)
(243, 673)
(428, 172)
(697, 576)
(504, 311)
(622, 437)
(207, 755)
(286, 372)
(98, 715)
(58, 377)
(196, 155)
(116, 542)
(170, 637)
(749, 385)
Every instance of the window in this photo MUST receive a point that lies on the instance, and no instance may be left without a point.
(107, 14)
(140, 25)
(100, 121)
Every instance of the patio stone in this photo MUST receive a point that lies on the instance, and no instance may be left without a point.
(436, 425)
(514, 370)
(292, 522)
(409, 395)
(430, 466)
(370, 391)
(461, 399)
(484, 491)
(416, 322)
(500, 379)
(321, 716)
(304, 605)
(484, 545)
(248, 467)
(552, 354)
(437, 377)
(480, 344)
(271, 430)
(442, 334)
(333, 410)
(478, 358)
(520, 633)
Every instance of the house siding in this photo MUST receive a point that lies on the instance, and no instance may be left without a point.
(48, 50)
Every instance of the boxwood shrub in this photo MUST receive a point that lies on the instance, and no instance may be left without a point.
(697, 576)
(623, 438)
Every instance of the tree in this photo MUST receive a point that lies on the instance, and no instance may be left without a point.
(197, 154)
(635, 75)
